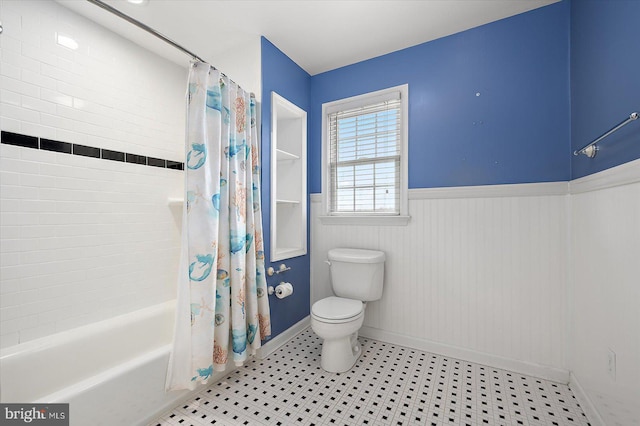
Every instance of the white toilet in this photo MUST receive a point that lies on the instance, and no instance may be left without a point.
(356, 277)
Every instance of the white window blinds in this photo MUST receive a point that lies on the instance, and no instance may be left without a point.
(364, 156)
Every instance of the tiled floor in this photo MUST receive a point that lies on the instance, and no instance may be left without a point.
(389, 385)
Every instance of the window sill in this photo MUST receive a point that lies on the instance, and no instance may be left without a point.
(366, 220)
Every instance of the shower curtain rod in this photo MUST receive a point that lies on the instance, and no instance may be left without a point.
(145, 27)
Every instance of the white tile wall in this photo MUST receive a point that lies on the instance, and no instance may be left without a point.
(108, 93)
(83, 239)
(486, 275)
(82, 248)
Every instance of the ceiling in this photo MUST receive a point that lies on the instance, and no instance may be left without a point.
(319, 35)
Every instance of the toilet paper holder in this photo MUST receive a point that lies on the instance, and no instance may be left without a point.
(271, 289)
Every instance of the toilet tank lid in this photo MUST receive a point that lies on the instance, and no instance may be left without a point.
(356, 255)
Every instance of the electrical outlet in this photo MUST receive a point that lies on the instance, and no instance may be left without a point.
(611, 364)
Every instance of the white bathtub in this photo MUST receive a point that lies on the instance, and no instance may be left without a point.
(111, 372)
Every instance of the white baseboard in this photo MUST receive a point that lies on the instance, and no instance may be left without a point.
(274, 344)
(541, 371)
(585, 402)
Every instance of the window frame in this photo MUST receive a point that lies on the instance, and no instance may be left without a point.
(353, 218)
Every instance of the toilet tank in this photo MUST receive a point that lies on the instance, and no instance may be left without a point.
(356, 273)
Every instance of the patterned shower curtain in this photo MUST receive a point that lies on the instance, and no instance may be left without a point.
(222, 310)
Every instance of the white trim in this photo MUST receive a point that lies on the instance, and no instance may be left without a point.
(404, 152)
(491, 191)
(366, 220)
(364, 100)
(585, 402)
(404, 146)
(274, 344)
(536, 370)
(623, 174)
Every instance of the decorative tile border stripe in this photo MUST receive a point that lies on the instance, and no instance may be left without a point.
(34, 142)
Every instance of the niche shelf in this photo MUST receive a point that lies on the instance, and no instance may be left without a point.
(288, 179)
(284, 155)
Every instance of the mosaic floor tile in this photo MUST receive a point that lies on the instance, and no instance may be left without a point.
(389, 385)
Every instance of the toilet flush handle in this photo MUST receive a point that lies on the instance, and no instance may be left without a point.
(327, 262)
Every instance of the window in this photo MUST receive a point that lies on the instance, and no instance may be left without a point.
(364, 158)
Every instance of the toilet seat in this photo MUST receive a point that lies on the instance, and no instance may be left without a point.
(337, 309)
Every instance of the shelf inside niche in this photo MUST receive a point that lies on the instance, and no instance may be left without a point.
(285, 155)
(282, 201)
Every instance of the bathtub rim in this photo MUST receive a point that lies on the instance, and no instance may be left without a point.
(67, 336)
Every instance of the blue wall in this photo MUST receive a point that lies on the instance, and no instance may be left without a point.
(605, 81)
(516, 131)
(283, 76)
(539, 100)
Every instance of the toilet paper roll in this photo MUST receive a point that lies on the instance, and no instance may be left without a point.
(284, 290)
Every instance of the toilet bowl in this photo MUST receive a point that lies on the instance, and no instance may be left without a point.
(337, 320)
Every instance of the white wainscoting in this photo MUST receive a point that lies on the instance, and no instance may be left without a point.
(478, 274)
(604, 293)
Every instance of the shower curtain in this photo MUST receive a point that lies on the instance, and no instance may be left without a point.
(222, 311)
